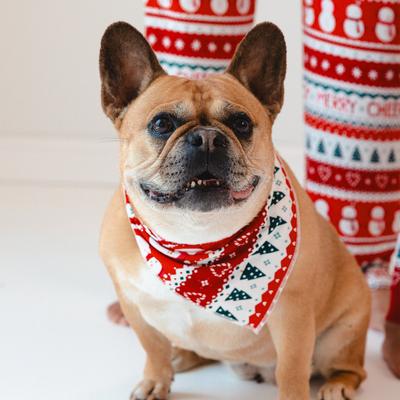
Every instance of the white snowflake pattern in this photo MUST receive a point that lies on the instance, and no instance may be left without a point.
(227, 47)
(212, 47)
(313, 61)
(325, 65)
(166, 41)
(340, 69)
(389, 75)
(196, 45)
(152, 39)
(356, 72)
(179, 44)
(373, 75)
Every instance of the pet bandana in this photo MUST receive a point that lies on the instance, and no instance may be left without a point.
(239, 278)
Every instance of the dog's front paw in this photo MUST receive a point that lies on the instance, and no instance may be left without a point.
(336, 391)
(150, 389)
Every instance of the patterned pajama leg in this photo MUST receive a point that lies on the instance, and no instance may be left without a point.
(394, 309)
(352, 115)
(195, 38)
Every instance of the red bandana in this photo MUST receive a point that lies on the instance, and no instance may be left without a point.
(240, 277)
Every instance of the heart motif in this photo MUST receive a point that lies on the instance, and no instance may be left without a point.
(353, 178)
(324, 172)
(381, 180)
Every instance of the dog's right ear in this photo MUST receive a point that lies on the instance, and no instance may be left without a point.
(259, 63)
(127, 67)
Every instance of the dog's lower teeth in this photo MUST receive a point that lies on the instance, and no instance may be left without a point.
(193, 184)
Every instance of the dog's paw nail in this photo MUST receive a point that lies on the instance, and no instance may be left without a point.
(258, 378)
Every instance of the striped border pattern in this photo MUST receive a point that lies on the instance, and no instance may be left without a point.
(194, 38)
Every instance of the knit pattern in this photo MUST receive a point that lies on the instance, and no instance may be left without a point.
(352, 119)
(195, 38)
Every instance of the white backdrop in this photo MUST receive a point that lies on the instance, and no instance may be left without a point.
(49, 84)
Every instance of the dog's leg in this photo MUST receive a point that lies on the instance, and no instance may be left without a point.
(294, 348)
(339, 356)
(158, 371)
(185, 360)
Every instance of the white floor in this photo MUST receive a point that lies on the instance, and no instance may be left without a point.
(55, 340)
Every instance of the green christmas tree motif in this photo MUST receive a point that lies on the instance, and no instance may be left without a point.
(277, 197)
(238, 295)
(308, 143)
(266, 248)
(392, 156)
(338, 151)
(321, 147)
(276, 169)
(274, 222)
(251, 272)
(226, 313)
(356, 155)
(375, 156)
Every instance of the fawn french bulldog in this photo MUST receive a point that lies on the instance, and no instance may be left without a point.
(215, 250)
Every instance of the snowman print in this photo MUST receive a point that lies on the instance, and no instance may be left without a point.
(243, 6)
(326, 18)
(385, 28)
(376, 225)
(164, 3)
(322, 208)
(348, 225)
(219, 7)
(353, 24)
(190, 5)
(309, 14)
(396, 222)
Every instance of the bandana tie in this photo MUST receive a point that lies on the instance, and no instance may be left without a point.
(239, 278)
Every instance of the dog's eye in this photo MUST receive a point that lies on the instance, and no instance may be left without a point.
(241, 124)
(162, 124)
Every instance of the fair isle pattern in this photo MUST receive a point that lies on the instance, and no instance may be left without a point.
(195, 38)
(352, 117)
(239, 278)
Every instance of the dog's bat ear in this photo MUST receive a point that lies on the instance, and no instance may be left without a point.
(259, 64)
(127, 67)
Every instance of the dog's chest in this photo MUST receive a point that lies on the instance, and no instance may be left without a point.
(185, 324)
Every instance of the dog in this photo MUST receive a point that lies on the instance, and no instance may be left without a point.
(197, 166)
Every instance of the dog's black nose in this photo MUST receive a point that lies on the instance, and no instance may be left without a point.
(206, 139)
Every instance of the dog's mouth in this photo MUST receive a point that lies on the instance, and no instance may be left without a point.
(205, 183)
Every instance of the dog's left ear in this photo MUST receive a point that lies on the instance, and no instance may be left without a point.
(259, 64)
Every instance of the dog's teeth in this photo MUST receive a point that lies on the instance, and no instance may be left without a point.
(193, 184)
(217, 183)
(199, 182)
